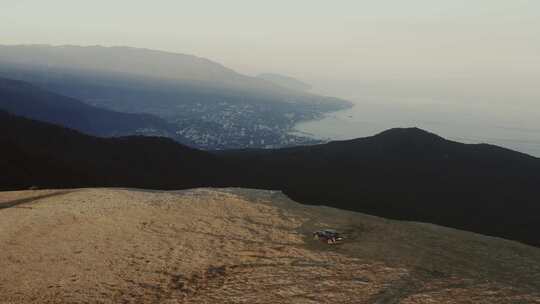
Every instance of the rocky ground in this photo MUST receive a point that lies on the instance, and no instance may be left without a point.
(241, 246)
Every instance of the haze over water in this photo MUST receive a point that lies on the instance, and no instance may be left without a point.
(516, 130)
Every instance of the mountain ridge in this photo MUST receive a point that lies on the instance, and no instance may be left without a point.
(136, 61)
(25, 99)
(209, 105)
(477, 188)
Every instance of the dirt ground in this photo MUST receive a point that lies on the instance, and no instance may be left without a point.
(241, 246)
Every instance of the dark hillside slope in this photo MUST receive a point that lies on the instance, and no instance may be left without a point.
(24, 99)
(45, 155)
(407, 174)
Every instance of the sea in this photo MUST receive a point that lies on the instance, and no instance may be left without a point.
(515, 128)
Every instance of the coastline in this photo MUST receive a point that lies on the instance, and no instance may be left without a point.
(367, 119)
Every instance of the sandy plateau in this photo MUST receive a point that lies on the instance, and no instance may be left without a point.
(241, 246)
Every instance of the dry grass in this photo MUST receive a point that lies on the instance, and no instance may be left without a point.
(241, 246)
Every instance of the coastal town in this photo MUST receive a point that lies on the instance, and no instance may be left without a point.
(228, 125)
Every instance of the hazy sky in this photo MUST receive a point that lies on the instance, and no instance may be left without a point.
(480, 51)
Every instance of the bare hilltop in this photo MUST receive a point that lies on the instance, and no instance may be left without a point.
(241, 246)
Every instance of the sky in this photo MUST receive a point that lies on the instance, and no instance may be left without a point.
(480, 52)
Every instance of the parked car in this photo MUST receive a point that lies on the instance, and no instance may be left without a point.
(328, 236)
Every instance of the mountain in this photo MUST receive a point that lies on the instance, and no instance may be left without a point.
(285, 81)
(40, 154)
(48, 65)
(405, 174)
(27, 100)
(134, 61)
(241, 246)
(209, 105)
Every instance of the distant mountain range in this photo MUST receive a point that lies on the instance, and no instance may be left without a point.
(209, 105)
(27, 100)
(126, 60)
(407, 174)
(69, 69)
